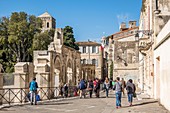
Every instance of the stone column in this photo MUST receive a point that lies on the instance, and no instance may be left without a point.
(43, 80)
(21, 80)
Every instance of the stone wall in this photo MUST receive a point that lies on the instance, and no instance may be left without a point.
(126, 59)
(161, 67)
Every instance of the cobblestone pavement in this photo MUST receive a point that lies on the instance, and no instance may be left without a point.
(87, 105)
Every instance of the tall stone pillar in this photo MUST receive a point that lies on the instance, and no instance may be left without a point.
(21, 79)
(43, 79)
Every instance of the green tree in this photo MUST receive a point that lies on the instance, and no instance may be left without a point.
(69, 39)
(16, 38)
(42, 40)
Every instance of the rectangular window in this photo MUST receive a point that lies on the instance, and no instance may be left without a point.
(94, 61)
(93, 49)
(84, 49)
(84, 61)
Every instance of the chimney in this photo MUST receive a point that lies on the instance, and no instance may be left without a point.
(122, 26)
(132, 24)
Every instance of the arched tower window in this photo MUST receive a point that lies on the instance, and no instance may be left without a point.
(47, 24)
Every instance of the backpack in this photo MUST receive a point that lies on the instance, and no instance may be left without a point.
(82, 85)
(37, 98)
(33, 86)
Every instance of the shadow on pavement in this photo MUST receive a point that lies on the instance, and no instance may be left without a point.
(140, 104)
(61, 103)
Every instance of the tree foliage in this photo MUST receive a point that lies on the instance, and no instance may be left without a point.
(69, 39)
(42, 40)
(16, 38)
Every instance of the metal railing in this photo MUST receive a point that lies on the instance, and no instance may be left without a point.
(20, 95)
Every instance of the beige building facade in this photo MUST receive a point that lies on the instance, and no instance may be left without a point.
(91, 53)
(123, 51)
(154, 67)
(146, 65)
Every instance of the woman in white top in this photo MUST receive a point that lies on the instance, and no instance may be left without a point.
(107, 85)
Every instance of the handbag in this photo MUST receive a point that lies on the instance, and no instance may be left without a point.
(134, 95)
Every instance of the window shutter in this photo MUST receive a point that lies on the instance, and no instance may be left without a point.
(90, 49)
(96, 62)
(97, 49)
(87, 49)
(81, 49)
(90, 61)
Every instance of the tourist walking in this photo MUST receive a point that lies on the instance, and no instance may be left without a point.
(97, 88)
(65, 90)
(90, 88)
(131, 88)
(111, 80)
(33, 91)
(82, 87)
(123, 86)
(106, 86)
(118, 90)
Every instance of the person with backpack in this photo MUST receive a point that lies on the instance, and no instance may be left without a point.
(130, 87)
(118, 90)
(33, 91)
(82, 86)
(97, 88)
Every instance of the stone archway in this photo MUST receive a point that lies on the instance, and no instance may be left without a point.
(69, 72)
(57, 72)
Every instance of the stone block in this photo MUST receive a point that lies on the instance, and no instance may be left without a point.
(43, 68)
(42, 60)
(21, 67)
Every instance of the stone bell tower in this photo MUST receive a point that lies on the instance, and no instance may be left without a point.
(48, 22)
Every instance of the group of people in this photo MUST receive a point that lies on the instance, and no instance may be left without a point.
(119, 87)
(93, 86)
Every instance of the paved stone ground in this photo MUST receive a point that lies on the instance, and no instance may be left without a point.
(87, 105)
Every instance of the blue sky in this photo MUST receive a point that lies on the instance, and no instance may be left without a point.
(90, 19)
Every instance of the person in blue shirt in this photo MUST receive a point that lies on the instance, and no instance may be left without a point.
(33, 91)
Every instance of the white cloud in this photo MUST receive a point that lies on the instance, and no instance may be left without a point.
(122, 18)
